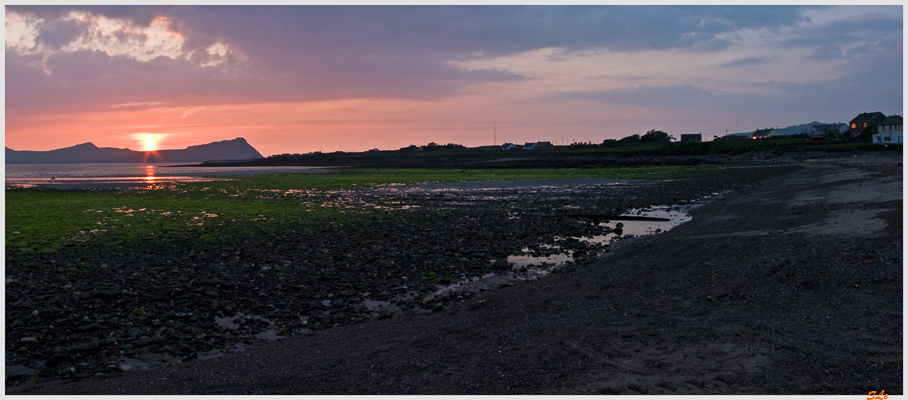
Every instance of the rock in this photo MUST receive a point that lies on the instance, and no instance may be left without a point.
(84, 347)
(29, 341)
(501, 264)
(427, 299)
(19, 372)
(58, 358)
(108, 294)
(148, 342)
(87, 328)
(89, 294)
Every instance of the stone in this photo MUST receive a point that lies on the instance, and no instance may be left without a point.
(108, 294)
(19, 372)
(427, 299)
(87, 328)
(148, 342)
(84, 347)
(501, 264)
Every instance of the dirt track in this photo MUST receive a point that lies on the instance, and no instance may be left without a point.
(794, 287)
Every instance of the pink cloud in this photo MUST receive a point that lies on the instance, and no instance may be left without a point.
(191, 111)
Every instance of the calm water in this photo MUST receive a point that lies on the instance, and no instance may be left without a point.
(126, 175)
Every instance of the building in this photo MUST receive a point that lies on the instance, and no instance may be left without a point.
(836, 129)
(889, 131)
(508, 146)
(888, 137)
(691, 137)
(538, 146)
(864, 121)
(737, 136)
(892, 123)
(764, 133)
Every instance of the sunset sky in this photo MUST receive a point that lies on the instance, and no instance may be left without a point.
(297, 79)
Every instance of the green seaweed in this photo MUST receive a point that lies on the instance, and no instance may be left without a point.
(46, 220)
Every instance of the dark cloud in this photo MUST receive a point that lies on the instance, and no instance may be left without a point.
(853, 37)
(745, 62)
(826, 53)
(296, 53)
(141, 16)
(676, 96)
(58, 33)
(811, 99)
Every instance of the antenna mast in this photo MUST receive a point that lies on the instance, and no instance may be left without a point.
(494, 133)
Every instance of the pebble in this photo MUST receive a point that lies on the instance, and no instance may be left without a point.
(84, 347)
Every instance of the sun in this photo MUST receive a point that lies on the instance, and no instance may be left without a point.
(149, 141)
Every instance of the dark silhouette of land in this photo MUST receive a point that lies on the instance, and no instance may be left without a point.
(236, 149)
(578, 155)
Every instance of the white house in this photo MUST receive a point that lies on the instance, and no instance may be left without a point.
(891, 123)
(828, 129)
(889, 131)
(538, 146)
(888, 137)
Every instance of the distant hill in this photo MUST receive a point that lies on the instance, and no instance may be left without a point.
(791, 130)
(797, 129)
(236, 149)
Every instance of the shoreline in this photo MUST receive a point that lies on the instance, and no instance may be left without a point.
(503, 310)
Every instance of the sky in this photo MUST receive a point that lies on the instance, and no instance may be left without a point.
(299, 79)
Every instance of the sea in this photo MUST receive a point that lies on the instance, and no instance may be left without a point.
(129, 175)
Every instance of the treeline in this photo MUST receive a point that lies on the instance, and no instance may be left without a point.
(433, 146)
(653, 136)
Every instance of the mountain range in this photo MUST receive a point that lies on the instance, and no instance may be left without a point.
(236, 149)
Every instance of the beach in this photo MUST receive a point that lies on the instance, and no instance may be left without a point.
(787, 280)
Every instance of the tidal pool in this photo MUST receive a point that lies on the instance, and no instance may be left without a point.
(529, 267)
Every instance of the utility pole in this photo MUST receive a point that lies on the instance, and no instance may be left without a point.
(494, 135)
